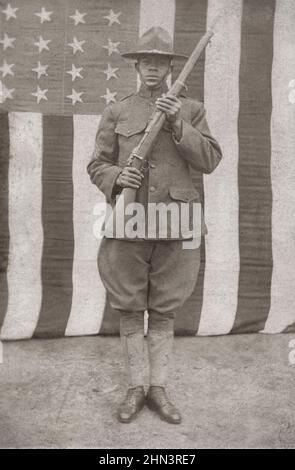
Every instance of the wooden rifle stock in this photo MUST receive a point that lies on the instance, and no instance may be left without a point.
(139, 156)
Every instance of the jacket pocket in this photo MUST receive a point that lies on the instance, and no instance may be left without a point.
(184, 195)
(128, 129)
(189, 196)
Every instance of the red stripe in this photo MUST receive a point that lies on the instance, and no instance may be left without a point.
(4, 227)
(57, 217)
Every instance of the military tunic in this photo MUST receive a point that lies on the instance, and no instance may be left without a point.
(151, 274)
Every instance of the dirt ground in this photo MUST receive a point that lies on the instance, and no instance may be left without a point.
(233, 391)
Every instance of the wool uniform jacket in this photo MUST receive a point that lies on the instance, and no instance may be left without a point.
(172, 162)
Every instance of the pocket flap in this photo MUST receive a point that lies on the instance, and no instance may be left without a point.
(127, 129)
(184, 195)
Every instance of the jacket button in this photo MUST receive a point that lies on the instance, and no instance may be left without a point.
(152, 189)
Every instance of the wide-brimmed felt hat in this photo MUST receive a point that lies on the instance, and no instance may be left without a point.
(155, 40)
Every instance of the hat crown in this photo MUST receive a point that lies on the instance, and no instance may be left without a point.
(156, 39)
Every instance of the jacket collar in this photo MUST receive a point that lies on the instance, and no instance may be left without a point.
(145, 92)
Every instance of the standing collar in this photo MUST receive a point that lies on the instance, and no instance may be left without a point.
(148, 93)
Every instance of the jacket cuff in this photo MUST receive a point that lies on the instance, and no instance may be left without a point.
(116, 189)
(108, 185)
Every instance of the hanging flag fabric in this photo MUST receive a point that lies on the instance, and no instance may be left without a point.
(60, 65)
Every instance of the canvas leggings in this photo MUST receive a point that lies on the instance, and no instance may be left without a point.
(153, 276)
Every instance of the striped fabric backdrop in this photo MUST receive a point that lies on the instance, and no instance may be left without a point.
(49, 284)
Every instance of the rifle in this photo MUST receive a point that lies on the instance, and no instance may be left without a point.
(140, 154)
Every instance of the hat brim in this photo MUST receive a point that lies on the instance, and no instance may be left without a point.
(135, 54)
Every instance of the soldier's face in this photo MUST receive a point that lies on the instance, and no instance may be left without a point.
(153, 69)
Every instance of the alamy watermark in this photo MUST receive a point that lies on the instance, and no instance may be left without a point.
(174, 220)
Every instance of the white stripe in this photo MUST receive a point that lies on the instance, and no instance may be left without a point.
(88, 292)
(157, 13)
(25, 226)
(282, 311)
(221, 188)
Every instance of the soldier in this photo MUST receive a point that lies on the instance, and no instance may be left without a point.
(157, 274)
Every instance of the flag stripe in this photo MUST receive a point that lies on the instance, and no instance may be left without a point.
(88, 291)
(190, 25)
(155, 13)
(26, 234)
(255, 195)
(57, 216)
(282, 312)
(4, 226)
(221, 208)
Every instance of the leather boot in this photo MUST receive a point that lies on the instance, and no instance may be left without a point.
(132, 404)
(157, 400)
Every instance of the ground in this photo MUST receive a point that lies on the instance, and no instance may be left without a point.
(233, 391)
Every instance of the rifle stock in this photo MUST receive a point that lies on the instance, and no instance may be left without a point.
(141, 152)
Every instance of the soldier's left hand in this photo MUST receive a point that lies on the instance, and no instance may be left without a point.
(171, 106)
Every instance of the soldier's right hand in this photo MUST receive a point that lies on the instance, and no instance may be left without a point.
(130, 178)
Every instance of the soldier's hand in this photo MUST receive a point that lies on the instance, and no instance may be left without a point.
(130, 178)
(171, 106)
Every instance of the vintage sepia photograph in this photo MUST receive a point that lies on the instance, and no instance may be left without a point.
(147, 227)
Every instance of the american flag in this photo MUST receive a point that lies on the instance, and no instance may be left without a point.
(60, 65)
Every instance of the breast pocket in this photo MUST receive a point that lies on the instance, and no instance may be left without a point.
(128, 130)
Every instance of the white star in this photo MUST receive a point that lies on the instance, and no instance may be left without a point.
(110, 72)
(44, 15)
(75, 96)
(109, 96)
(6, 69)
(42, 44)
(40, 94)
(113, 17)
(10, 12)
(78, 17)
(75, 72)
(5, 93)
(7, 42)
(40, 70)
(111, 47)
(76, 45)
